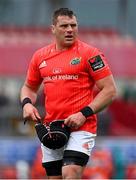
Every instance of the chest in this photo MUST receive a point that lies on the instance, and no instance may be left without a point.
(63, 64)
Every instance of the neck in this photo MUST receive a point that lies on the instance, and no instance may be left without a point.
(62, 48)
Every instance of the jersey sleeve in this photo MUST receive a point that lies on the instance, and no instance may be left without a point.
(97, 65)
(33, 74)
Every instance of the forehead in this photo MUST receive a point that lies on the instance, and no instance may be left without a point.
(66, 20)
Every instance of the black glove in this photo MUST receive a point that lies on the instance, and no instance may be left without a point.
(55, 135)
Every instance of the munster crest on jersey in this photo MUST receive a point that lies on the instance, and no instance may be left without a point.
(75, 61)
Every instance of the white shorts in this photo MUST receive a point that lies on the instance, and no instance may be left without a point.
(80, 141)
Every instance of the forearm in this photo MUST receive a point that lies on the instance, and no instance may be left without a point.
(107, 92)
(28, 96)
(29, 92)
(102, 100)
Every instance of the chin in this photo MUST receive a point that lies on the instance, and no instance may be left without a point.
(70, 43)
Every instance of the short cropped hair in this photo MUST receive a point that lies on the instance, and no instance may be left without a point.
(62, 12)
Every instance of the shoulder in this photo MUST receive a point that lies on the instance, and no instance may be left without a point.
(44, 51)
(85, 45)
(41, 53)
(87, 49)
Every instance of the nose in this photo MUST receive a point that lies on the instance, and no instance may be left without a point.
(69, 28)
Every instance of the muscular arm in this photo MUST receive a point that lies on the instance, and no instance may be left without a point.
(103, 98)
(29, 91)
(106, 95)
(29, 111)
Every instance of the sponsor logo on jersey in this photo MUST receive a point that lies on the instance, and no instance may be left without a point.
(61, 77)
(96, 63)
(43, 64)
(75, 61)
(56, 70)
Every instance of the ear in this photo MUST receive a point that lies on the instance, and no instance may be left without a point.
(53, 29)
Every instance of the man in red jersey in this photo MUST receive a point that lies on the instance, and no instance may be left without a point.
(69, 70)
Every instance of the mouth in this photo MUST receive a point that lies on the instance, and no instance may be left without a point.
(69, 37)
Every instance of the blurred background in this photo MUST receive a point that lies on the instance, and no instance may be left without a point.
(25, 27)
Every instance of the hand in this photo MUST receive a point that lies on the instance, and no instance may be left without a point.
(75, 120)
(30, 113)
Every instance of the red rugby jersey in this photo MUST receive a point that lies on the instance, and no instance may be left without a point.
(69, 77)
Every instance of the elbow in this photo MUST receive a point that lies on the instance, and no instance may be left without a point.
(113, 93)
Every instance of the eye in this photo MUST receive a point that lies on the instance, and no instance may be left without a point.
(67, 25)
(64, 25)
(73, 25)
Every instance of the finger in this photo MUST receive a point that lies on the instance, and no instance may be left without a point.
(73, 127)
(37, 114)
(34, 117)
(27, 118)
(67, 122)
